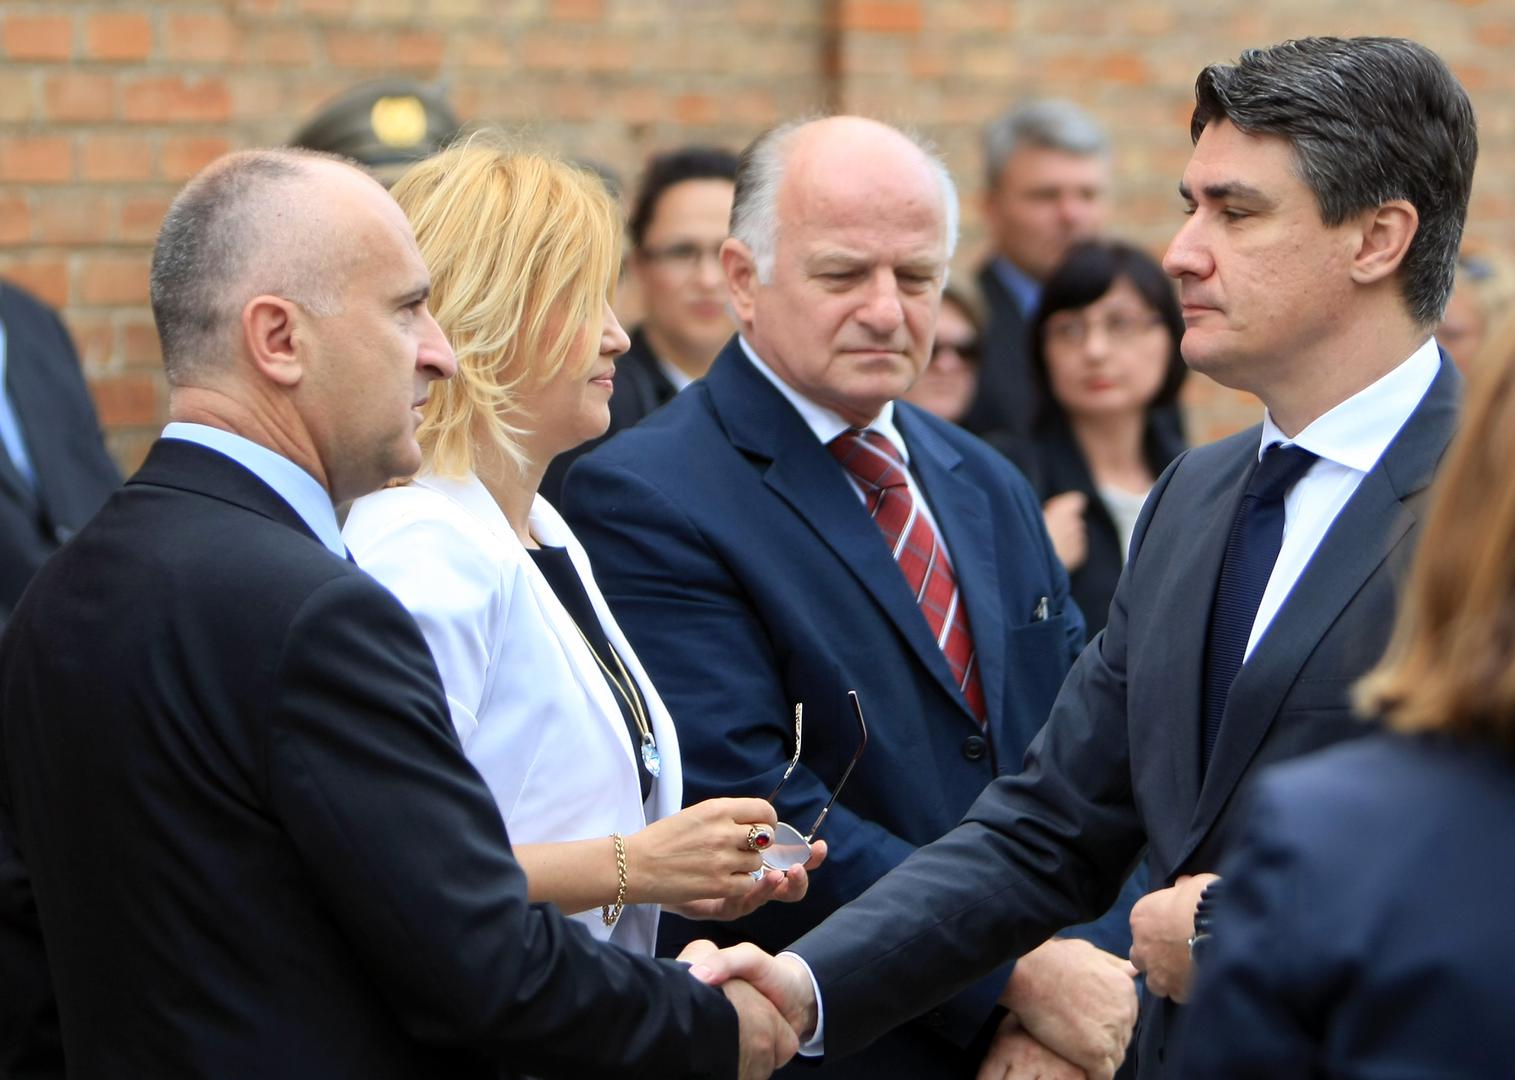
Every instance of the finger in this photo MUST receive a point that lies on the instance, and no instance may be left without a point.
(818, 852)
(1128, 968)
(698, 950)
(748, 811)
(744, 961)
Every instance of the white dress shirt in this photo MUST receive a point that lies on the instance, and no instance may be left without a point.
(1348, 440)
(827, 425)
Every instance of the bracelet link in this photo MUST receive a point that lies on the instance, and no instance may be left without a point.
(608, 914)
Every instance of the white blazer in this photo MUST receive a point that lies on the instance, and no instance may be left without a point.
(532, 709)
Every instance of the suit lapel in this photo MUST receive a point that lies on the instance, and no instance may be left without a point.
(961, 510)
(801, 472)
(1188, 553)
(1368, 528)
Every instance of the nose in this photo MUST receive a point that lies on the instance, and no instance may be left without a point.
(708, 270)
(1186, 256)
(613, 339)
(435, 359)
(881, 311)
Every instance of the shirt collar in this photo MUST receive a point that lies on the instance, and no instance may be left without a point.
(1026, 290)
(294, 485)
(1357, 432)
(826, 424)
(676, 376)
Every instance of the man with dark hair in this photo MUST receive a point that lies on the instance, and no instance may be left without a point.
(677, 223)
(1326, 195)
(235, 819)
(1046, 187)
(54, 469)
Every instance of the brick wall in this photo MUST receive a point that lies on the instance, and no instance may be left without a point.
(106, 108)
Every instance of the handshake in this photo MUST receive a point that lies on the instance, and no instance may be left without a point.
(1072, 1008)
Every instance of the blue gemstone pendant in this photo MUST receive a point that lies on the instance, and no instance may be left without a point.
(650, 756)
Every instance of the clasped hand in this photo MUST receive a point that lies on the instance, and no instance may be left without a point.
(773, 997)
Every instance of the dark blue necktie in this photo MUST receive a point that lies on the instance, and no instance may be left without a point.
(1251, 550)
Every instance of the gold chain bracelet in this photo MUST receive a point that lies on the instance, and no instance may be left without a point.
(607, 913)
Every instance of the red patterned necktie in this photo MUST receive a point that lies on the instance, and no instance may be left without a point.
(876, 465)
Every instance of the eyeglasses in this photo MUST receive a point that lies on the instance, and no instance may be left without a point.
(789, 845)
(967, 351)
(684, 257)
(1075, 329)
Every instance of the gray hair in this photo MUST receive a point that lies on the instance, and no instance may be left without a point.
(760, 171)
(1371, 119)
(236, 231)
(1050, 124)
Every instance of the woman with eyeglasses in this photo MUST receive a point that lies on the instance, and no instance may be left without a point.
(947, 386)
(548, 698)
(1104, 354)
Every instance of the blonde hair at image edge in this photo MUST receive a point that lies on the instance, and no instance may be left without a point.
(522, 248)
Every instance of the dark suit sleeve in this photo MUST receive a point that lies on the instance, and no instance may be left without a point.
(30, 1045)
(403, 840)
(1257, 1012)
(1037, 852)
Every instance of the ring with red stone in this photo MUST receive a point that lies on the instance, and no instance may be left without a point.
(758, 837)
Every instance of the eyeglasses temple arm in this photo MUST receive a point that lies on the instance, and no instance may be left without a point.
(861, 746)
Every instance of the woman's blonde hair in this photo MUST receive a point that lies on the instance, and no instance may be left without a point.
(523, 250)
(1451, 664)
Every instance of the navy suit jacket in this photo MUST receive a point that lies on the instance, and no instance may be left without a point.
(74, 472)
(749, 576)
(1365, 930)
(1118, 764)
(233, 803)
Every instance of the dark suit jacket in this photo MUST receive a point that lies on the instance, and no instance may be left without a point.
(74, 472)
(749, 576)
(640, 388)
(1118, 763)
(255, 845)
(1053, 463)
(1007, 400)
(1365, 930)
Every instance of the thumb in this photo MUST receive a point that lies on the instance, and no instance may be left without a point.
(694, 954)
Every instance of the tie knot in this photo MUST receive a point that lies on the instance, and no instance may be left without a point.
(1280, 467)
(870, 457)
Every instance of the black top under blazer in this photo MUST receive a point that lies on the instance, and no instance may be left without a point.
(231, 786)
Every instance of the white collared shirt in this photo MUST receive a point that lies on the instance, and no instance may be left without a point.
(827, 425)
(302, 491)
(1349, 440)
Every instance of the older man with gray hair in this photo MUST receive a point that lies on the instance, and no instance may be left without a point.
(786, 530)
(1047, 186)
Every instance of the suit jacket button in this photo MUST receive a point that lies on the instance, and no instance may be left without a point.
(974, 748)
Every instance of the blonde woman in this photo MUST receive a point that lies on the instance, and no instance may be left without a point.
(548, 698)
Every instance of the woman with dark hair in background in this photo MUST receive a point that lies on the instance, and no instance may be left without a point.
(1104, 353)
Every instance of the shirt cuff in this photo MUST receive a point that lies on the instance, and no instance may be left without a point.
(814, 1046)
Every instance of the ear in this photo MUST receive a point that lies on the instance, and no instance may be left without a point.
(741, 278)
(272, 332)
(1384, 237)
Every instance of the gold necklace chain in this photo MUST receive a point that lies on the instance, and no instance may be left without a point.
(628, 691)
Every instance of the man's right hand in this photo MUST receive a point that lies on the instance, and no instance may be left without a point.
(767, 1039)
(1014, 1055)
(1078, 1001)
(782, 980)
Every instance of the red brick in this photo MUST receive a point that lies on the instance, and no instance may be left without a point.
(79, 96)
(45, 276)
(491, 52)
(1127, 68)
(584, 11)
(17, 104)
(881, 16)
(140, 347)
(71, 217)
(185, 155)
(114, 158)
(357, 48)
(39, 37)
(113, 278)
(36, 159)
(15, 219)
(94, 337)
(127, 399)
(174, 99)
(421, 49)
(119, 36)
(199, 38)
(1495, 35)
(696, 109)
(141, 217)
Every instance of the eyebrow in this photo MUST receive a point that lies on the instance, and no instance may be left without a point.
(1232, 189)
(419, 292)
